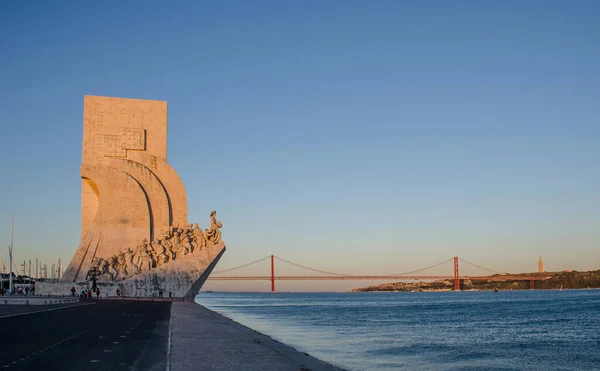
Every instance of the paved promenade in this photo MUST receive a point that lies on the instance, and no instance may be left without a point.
(100, 335)
(204, 340)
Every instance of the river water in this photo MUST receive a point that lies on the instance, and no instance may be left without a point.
(507, 330)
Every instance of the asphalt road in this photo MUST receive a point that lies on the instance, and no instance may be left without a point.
(108, 335)
(14, 309)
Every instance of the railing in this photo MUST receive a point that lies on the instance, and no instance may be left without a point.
(138, 298)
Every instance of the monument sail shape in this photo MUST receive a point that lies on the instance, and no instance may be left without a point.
(134, 218)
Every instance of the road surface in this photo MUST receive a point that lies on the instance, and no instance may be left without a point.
(107, 335)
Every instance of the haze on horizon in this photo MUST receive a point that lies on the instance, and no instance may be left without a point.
(353, 137)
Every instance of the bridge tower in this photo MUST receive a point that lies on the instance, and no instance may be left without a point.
(456, 276)
(272, 273)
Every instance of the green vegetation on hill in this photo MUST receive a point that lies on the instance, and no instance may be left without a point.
(543, 281)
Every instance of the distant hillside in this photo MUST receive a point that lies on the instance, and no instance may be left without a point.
(543, 281)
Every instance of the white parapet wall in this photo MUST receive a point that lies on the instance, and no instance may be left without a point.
(37, 300)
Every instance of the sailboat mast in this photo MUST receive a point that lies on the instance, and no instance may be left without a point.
(10, 282)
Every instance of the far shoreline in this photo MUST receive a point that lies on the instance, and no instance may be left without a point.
(398, 291)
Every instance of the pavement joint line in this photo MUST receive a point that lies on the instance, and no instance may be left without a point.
(46, 310)
(168, 366)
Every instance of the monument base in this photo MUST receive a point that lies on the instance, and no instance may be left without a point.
(182, 278)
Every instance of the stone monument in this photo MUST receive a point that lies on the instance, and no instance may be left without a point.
(135, 234)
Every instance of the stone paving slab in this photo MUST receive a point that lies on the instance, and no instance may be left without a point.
(201, 339)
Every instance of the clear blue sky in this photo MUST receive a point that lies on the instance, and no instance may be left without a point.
(353, 136)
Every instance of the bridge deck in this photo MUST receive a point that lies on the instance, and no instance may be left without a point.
(359, 278)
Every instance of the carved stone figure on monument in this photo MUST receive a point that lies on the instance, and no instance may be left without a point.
(114, 267)
(104, 269)
(177, 239)
(213, 234)
(183, 238)
(198, 237)
(156, 261)
(146, 261)
(172, 245)
(183, 248)
(122, 265)
(132, 268)
(187, 242)
(192, 241)
(168, 249)
(168, 234)
(160, 253)
(137, 256)
(174, 230)
(95, 263)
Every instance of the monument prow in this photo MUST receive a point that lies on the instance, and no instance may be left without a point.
(134, 227)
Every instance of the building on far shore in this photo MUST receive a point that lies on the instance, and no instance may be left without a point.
(540, 265)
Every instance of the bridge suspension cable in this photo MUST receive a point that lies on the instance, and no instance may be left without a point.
(242, 266)
(479, 266)
(422, 269)
(347, 275)
(311, 269)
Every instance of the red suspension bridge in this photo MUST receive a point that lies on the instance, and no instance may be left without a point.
(329, 276)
